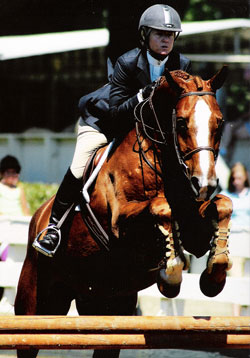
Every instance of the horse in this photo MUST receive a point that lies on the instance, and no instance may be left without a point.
(155, 197)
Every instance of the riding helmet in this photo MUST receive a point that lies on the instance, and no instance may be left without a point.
(159, 17)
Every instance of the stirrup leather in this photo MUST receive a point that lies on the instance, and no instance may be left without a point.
(41, 249)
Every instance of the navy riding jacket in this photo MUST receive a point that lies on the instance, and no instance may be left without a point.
(110, 108)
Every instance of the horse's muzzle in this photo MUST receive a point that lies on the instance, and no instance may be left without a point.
(203, 192)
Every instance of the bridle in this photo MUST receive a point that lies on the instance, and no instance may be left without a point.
(181, 158)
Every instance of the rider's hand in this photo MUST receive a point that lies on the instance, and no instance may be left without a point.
(146, 91)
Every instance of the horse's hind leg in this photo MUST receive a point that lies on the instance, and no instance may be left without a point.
(111, 306)
(33, 298)
(25, 302)
(213, 279)
(27, 353)
(110, 353)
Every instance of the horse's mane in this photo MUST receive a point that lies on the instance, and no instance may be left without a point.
(181, 74)
(181, 78)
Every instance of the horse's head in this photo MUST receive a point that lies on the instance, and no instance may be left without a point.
(197, 126)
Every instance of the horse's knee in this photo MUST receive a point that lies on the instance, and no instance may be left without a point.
(224, 206)
(160, 207)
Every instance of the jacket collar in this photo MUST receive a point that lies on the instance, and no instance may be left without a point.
(143, 73)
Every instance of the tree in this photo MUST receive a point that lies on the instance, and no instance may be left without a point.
(199, 10)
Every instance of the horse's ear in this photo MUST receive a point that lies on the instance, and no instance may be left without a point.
(219, 78)
(174, 85)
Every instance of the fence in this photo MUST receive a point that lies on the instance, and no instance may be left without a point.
(189, 302)
(55, 150)
(124, 332)
(50, 150)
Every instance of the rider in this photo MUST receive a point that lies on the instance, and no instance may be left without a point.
(132, 81)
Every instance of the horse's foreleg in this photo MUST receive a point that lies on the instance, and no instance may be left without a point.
(170, 277)
(213, 279)
(176, 260)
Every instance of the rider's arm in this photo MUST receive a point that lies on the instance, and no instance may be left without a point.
(123, 92)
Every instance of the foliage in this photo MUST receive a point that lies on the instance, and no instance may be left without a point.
(38, 193)
(200, 10)
(238, 99)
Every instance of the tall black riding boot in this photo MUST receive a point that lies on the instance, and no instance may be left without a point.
(65, 197)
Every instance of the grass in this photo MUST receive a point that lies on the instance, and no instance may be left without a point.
(38, 193)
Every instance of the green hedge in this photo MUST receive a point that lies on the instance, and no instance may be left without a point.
(38, 193)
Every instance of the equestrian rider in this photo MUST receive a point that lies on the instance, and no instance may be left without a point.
(132, 81)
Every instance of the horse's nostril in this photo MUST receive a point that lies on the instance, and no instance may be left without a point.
(195, 183)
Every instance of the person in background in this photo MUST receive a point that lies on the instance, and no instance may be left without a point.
(239, 192)
(12, 196)
(109, 112)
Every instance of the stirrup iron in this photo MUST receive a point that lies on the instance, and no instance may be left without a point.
(41, 249)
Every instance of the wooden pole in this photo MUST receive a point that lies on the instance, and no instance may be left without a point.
(125, 323)
(109, 332)
(124, 341)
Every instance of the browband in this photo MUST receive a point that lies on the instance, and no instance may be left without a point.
(204, 93)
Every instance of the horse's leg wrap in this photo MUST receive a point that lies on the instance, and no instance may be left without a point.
(219, 253)
(175, 258)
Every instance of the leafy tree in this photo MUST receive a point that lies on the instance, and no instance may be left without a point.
(199, 10)
(38, 193)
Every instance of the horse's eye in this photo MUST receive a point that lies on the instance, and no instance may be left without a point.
(181, 125)
(219, 130)
(220, 124)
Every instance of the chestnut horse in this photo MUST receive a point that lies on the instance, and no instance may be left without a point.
(153, 197)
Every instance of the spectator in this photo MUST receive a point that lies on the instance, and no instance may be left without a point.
(12, 197)
(239, 192)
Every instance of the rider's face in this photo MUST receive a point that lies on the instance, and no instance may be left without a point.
(161, 42)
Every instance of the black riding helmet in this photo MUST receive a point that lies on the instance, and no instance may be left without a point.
(159, 17)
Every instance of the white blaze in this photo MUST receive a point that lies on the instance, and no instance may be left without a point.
(201, 117)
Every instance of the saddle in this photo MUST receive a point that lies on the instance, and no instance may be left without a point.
(91, 171)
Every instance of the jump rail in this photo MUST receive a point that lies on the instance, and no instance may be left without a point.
(124, 332)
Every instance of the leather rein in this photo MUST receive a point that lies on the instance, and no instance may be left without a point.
(146, 128)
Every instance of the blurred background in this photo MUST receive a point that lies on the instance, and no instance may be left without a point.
(53, 52)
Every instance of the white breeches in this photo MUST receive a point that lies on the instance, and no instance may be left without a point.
(88, 139)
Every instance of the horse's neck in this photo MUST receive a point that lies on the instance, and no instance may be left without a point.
(176, 183)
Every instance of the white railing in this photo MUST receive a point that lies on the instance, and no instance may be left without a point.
(14, 233)
(53, 152)
(190, 301)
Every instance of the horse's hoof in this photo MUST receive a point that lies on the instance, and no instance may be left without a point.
(168, 290)
(209, 287)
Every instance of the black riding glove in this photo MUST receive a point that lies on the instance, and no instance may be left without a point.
(146, 91)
